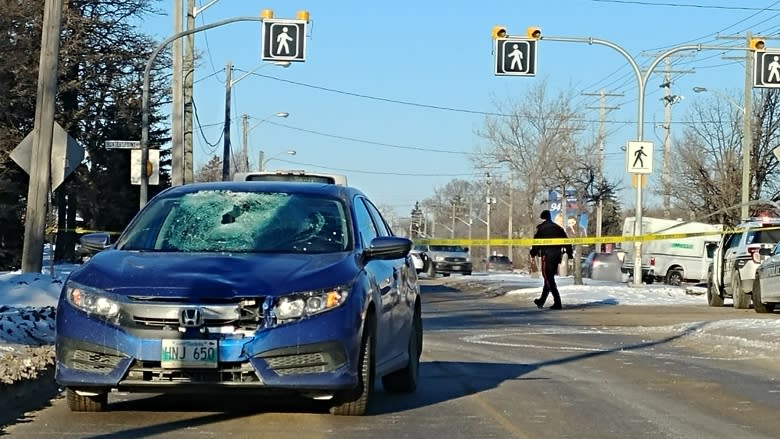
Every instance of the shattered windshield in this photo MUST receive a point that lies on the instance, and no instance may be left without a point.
(230, 221)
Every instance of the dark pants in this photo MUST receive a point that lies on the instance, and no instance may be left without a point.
(549, 270)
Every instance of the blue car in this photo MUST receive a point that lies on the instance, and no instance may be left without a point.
(285, 288)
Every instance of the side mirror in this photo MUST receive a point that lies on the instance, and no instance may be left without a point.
(92, 243)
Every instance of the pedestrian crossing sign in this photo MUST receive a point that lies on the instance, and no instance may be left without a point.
(514, 57)
(639, 157)
(766, 68)
(284, 40)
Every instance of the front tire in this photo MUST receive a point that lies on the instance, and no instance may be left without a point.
(86, 403)
(355, 402)
(406, 379)
(713, 294)
(741, 299)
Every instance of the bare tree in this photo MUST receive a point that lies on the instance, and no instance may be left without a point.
(538, 141)
(709, 158)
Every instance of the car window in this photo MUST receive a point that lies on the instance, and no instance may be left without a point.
(366, 228)
(381, 225)
(235, 221)
(734, 240)
(763, 237)
(448, 248)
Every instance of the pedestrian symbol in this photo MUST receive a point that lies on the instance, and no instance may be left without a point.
(639, 157)
(766, 68)
(515, 56)
(284, 40)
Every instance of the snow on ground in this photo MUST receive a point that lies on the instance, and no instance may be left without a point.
(761, 331)
(28, 302)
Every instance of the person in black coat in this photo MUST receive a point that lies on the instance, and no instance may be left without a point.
(551, 256)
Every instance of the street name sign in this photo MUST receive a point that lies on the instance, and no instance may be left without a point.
(122, 144)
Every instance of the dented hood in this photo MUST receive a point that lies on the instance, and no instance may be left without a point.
(213, 276)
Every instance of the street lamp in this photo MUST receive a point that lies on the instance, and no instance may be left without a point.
(245, 118)
(747, 146)
(263, 160)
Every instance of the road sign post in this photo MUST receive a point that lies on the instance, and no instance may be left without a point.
(514, 57)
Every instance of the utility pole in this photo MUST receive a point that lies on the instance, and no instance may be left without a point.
(668, 99)
(43, 132)
(747, 131)
(602, 94)
(245, 150)
(177, 91)
(187, 95)
(226, 129)
(510, 222)
(747, 123)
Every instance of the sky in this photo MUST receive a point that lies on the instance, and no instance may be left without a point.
(392, 94)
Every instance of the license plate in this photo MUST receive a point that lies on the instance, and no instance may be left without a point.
(456, 267)
(180, 354)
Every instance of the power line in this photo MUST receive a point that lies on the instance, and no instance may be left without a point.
(686, 5)
(381, 99)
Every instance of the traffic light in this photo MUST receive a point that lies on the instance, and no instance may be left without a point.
(498, 32)
(302, 15)
(757, 43)
(534, 33)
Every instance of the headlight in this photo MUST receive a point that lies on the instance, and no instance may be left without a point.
(298, 305)
(91, 301)
(439, 258)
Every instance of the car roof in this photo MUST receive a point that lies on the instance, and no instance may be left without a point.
(332, 190)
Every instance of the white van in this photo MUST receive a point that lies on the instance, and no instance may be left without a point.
(672, 260)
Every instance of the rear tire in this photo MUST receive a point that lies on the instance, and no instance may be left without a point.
(355, 402)
(713, 292)
(674, 277)
(741, 299)
(86, 403)
(757, 304)
(406, 379)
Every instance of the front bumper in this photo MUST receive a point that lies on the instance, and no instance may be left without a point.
(452, 267)
(311, 355)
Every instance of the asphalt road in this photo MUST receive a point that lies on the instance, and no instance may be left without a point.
(497, 367)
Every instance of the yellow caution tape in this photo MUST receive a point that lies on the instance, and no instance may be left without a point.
(578, 241)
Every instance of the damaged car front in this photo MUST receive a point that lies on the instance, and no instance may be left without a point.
(220, 288)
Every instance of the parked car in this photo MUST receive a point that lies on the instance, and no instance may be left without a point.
(419, 259)
(602, 266)
(766, 286)
(271, 287)
(499, 263)
(736, 259)
(446, 259)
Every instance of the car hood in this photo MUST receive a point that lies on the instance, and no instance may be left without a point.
(205, 275)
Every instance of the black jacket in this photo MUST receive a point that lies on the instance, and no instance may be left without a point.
(547, 230)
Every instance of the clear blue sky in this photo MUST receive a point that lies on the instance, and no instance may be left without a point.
(362, 102)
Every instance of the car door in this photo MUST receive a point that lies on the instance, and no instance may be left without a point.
(398, 281)
(380, 276)
(770, 271)
(730, 254)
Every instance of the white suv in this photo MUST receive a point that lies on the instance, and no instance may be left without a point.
(736, 259)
